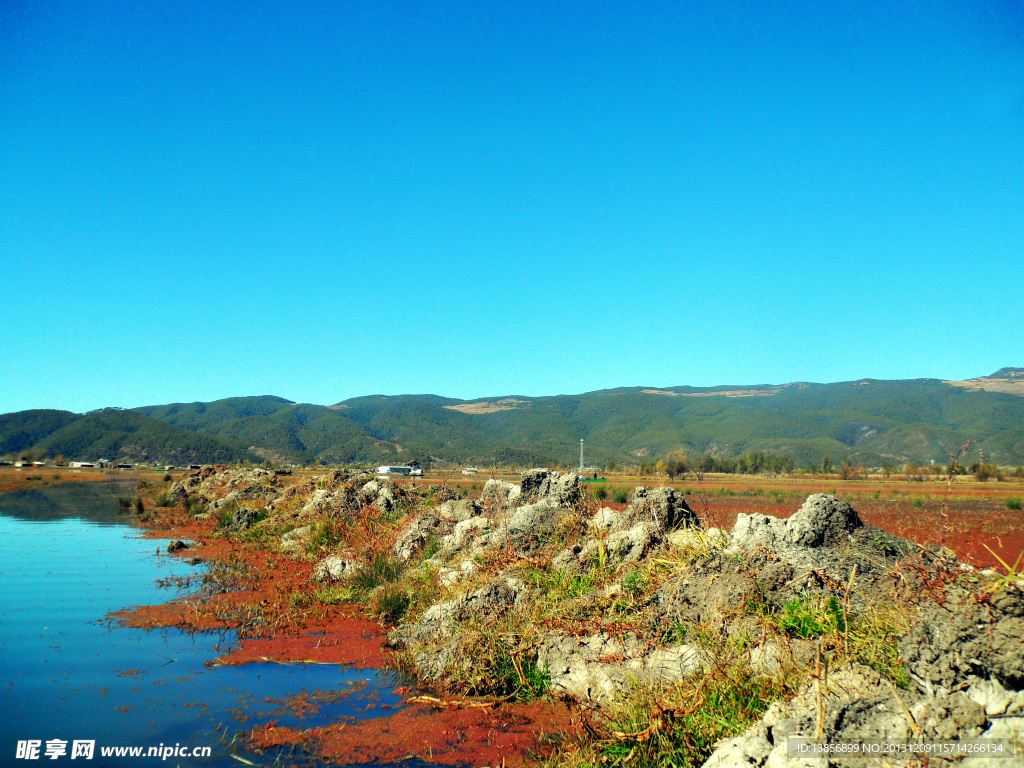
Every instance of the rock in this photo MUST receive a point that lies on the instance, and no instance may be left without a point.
(465, 532)
(966, 641)
(176, 546)
(858, 706)
(418, 531)
(296, 540)
(492, 601)
(606, 519)
(950, 717)
(442, 493)
(539, 519)
(995, 699)
(383, 494)
(625, 546)
(335, 568)
(577, 668)
(318, 503)
(449, 577)
(555, 488)
(664, 506)
(244, 517)
(500, 494)
(246, 478)
(822, 520)
(459, 510)
(177, 494)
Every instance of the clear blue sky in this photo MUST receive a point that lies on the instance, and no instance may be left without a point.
(325, 200)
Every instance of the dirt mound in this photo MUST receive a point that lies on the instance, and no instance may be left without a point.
(974, 636)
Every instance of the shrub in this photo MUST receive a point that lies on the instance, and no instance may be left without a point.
(600, 493)
(1013, 503)
(620, 495)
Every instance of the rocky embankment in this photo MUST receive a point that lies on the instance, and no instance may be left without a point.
(849, 633)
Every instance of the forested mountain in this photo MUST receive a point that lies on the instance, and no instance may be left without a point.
(869, 422)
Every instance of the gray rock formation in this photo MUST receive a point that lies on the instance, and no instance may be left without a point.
(296, 540)
(499, 494)
(965, 640)
(554, 488)
(415, 534)
(664, 506)
(335, 568)
(579, 668)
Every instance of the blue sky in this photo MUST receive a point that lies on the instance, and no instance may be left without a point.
(325, 200)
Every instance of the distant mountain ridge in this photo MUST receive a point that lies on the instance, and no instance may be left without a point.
(867, 421)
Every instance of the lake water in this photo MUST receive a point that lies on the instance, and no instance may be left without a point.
(67, 559)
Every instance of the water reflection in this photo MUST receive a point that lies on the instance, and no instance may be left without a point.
(66, 560)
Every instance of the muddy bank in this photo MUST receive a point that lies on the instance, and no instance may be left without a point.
(676, 637)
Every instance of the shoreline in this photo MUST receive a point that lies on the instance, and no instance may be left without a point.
(447, 730)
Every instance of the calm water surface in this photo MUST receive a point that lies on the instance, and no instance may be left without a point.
(66, 560)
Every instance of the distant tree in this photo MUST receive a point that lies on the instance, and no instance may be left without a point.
(826, 465)
(611, 466)
(676, 463)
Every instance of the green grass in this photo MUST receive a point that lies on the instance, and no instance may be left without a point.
(678, 727)
(378, 571)
(391, 603)
(325, 534)
(808, 617)
(1013, 503)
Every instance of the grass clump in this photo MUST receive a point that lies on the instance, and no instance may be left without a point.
(620, 495)
(391, 603)
(325, 534)
(678, 726)
(380, 570)
(807, 617)
(1013, 503)
(335, 595)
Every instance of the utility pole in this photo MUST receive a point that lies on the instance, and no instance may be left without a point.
(581, 457)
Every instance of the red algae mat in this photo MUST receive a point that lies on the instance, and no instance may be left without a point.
(259, 604)
(472, 735)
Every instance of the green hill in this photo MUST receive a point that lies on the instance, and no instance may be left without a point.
(115, 435)
(869, 422)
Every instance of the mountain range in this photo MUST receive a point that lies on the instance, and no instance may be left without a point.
(868, 421)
